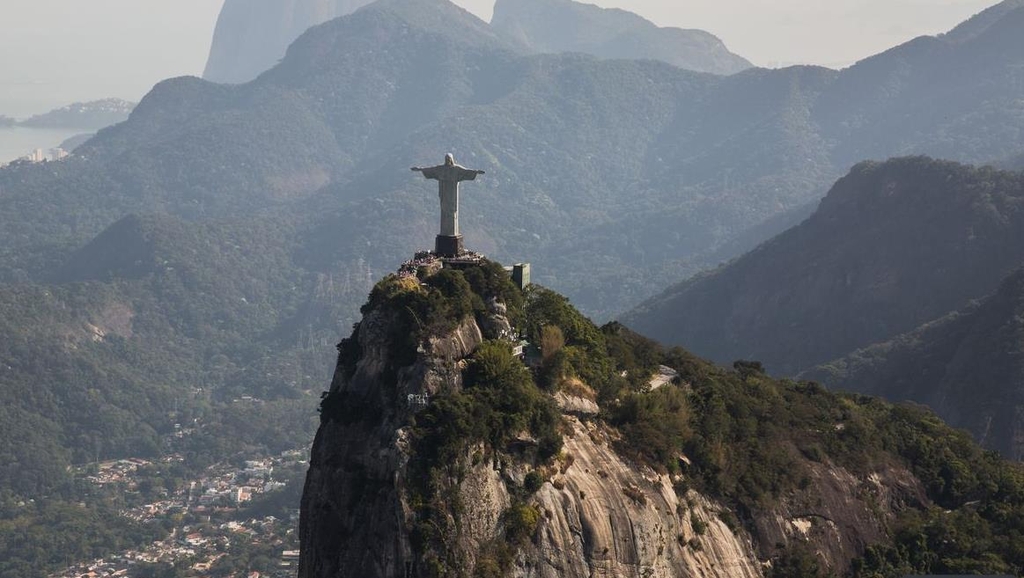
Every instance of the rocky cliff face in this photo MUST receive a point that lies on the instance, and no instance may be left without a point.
(605, 517)
(252, 35)
(355, 514)
(601, 516)
(591, 512)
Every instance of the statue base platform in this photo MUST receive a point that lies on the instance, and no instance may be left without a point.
(448, 246)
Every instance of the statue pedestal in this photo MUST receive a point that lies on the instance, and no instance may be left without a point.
(448, 245)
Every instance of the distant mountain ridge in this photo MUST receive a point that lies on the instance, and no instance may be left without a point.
(92, 115)
(617, 190)
(980, 22)
(252, 36)
(892, 246)
(554, 26)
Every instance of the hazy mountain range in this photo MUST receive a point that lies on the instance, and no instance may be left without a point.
(252, 37)
(221, 239)
(611, 190)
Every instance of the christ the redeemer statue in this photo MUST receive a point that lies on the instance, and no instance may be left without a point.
(448, 176)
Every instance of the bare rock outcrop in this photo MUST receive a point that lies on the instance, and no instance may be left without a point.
(604, 517)
(252, 35)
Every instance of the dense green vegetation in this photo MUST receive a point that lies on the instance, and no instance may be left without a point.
(44, 534)
(153, 324)
(977, 523)
(609, 359)
(964, 366)
(498, 403)
(748, 439)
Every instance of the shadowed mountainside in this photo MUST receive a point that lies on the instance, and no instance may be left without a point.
(892, 246)
(252, 36)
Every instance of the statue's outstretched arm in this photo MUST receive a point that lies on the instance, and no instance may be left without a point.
(428, 172)
(468, 174)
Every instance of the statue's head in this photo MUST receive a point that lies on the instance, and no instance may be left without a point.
(449, 160)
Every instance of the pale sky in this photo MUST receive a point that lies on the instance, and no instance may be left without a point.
(53, 52)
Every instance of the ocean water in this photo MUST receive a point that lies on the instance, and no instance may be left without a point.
(20, 101)
(18, 141)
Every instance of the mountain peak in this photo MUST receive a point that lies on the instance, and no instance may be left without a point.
(129, 249)
(253, 35)
(568, 26)
(982, 21)
(439, 17)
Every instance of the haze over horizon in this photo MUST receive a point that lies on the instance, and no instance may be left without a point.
(71, 51)
(767, 321)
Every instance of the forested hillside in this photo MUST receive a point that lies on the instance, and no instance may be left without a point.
(155, 328)
(156, 322)
(967, 366)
